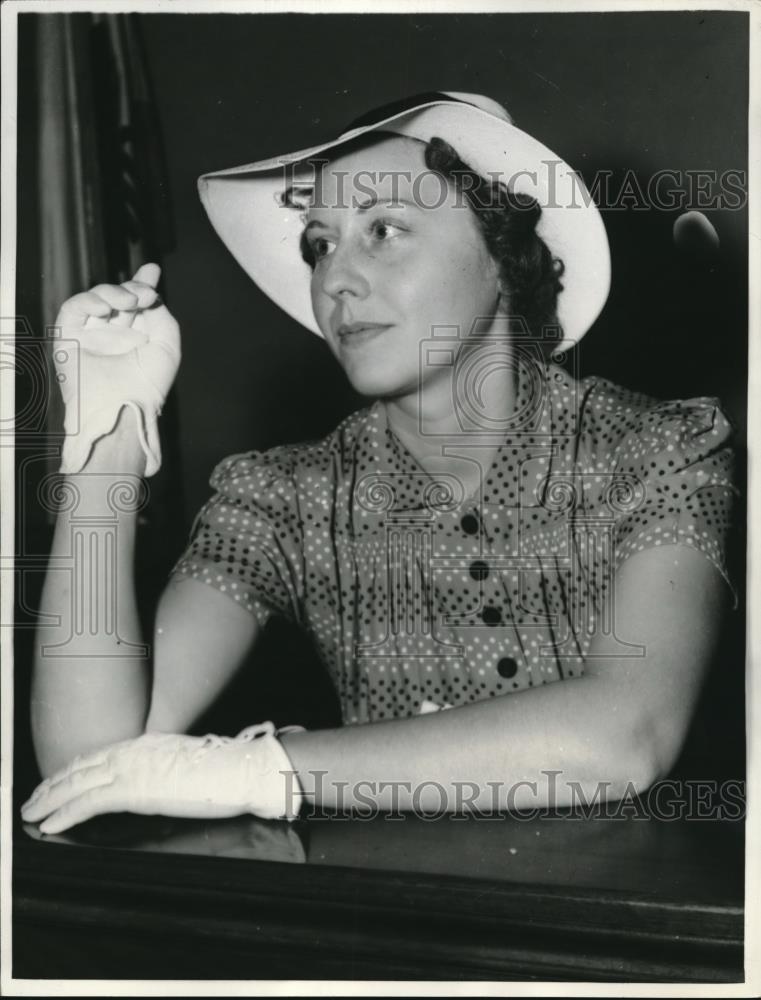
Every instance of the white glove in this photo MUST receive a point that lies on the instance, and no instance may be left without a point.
(200, 777)
(127, 352)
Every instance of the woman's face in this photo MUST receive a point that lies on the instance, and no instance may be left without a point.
(397, 254)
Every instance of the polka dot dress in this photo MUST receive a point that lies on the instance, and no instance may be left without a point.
(414, 593)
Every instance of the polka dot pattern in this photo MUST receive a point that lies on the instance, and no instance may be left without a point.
(414, 593)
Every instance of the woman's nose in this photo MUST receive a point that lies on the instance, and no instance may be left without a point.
(342, 274)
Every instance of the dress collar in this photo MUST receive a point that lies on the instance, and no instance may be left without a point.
(544, 408)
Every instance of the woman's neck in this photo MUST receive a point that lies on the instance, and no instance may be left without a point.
(458, 412)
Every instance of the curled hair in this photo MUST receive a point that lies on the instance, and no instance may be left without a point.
(508, 221)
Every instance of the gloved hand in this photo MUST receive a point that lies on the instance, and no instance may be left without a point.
(201, 777)
(128, 353)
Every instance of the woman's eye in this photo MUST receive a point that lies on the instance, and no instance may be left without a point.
(321, 247)
(380, 231)
(384, 230)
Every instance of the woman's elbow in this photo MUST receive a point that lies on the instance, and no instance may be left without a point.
(647, 754)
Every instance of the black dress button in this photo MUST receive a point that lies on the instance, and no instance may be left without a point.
(507, 667)
(491, 615)
(469, 524)
(479, 570)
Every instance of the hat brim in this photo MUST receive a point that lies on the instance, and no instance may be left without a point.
(244, 206)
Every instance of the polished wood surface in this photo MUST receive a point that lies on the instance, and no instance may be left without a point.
(550, 898)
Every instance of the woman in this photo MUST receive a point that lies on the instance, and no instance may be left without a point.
(487, 527)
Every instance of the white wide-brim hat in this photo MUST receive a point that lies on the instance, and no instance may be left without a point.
(245, 204)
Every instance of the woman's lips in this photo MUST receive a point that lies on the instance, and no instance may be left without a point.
(360, 333)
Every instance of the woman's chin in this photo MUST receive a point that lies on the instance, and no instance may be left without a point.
(370, 388)
(375, 383)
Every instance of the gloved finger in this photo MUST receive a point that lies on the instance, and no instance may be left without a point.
(107, 340)
(91, 759)
(123, 318)
(40, 790)
(33, 831)
(146, 294)
(63, 791)
(79, 308)
(117, 296)
(149, 273)
(80, 761)
(145, 297)
(91, 803)
(124, 307)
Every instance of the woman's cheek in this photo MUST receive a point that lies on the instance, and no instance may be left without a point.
(322, 306)
(417, 280)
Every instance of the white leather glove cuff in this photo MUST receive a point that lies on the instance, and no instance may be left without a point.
(276, 789)
(78, 446)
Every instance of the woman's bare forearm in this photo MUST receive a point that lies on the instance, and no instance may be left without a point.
(91, 676)
(525, 750)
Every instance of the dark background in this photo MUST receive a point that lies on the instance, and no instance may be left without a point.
(617, 91)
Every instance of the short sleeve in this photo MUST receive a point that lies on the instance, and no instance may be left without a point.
(679, 462)
(246, 540)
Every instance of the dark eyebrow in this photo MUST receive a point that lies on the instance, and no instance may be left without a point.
(371, 202)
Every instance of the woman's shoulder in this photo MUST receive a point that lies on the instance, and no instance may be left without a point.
(632, 426)
(296, 463)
